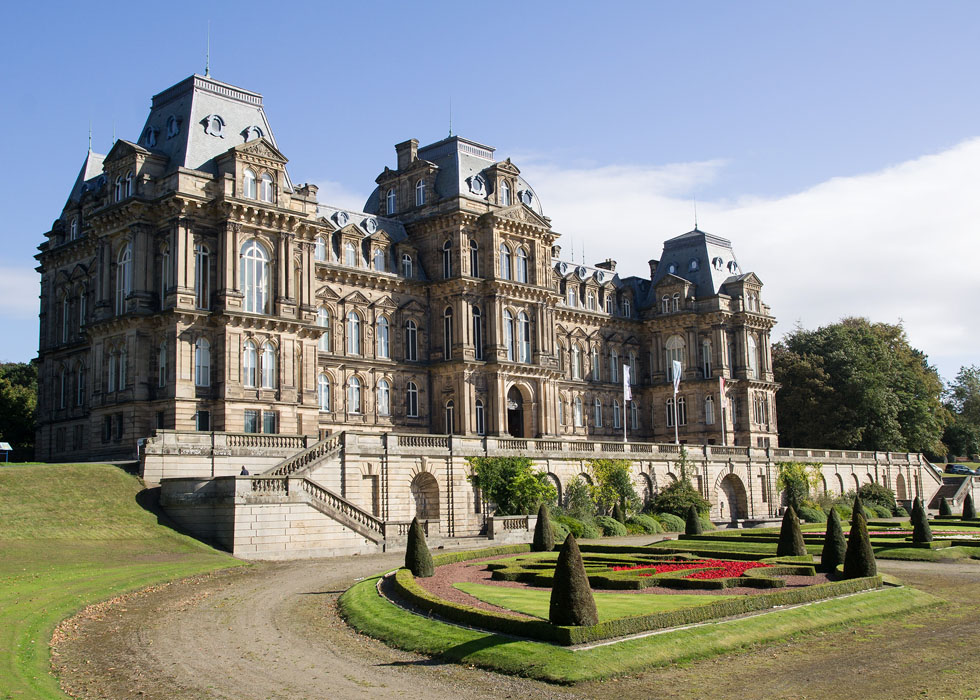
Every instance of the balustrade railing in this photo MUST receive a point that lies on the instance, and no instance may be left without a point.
(275, 486)
(343, 506)
(265, 440)
(321, 450)
(427, 441)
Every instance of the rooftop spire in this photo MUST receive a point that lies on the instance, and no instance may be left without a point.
(695, 212)
(207, 55)
(89, 135)
(450, 116)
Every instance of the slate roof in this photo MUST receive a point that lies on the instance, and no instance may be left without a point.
(89, 177)
(394, 229)
(714, 257)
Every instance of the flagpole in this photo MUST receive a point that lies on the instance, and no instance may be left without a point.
(676, 370)
(721, 402)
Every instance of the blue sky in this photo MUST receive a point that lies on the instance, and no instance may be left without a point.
(834, 143)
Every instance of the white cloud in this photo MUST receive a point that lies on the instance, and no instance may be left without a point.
(899, 244)
(339, 195)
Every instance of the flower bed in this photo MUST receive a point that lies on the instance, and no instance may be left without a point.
(717, 568)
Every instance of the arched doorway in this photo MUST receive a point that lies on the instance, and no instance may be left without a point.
(900, 491)
(515, 412)
(645, 488)
(556, 482)
(425, 496)
(840, 484)
(732, 501)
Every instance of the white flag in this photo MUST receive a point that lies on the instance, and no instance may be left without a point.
(721, 387)
(677, 369)
(627, 392)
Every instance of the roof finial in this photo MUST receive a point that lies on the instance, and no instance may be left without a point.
(89, 135)
(113, 132)
(207, 56)
(695, 212)
(450, 116)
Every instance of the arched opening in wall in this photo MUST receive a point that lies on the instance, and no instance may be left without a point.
(857, 481)
(823, 484)
(425, 495)
(900, 491)
(840, 484)
(556, 482)
(870, 478)
(586, 478)
(645, 488)
(732, 501)
(515, 412)
(672, 477)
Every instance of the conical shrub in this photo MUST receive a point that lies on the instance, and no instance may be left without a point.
(944, 508)
(834, 544)
(693, 525)
(859, 560)
(618, 514)
(969, 511)
(790, 536)
(418, 559)
(921, 532)
(572, 602)
(858, 507)
(544, 534)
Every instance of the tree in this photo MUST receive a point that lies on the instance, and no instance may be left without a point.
(572, 602)
(878, 495)
(692, 525)
(921, 532)
(677, 498)
(969, 511)
(962, 435)
(418, 558)
(797, 479)
(944, 508)
(511, 484)
(834, 544)
(578, 500)
(790, 536)
(617, 514)
(18, 406)
(612, 485)
(859, 560)
(858, 385)
(544, 534)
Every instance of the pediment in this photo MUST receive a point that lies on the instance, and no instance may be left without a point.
(353, 230)
(381, 235)
(325, 293)
(261, 148)
(671, 280)
(522, 213)
(385, 303)
(357, 298)
(413, 307)
(123, 148)
(80, 271)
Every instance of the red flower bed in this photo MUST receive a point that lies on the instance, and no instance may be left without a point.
(712, 568)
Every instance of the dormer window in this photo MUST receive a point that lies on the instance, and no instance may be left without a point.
(173, 127)
(379, 260)
(420, 193)
(676, 302)
(320, 249)
(672, 269)
(252, 133)
(693, 265)
(150, 137)
(733, 267)
(627, 309)
(73, 229)
(128, 184)
(407, 266)
(265, 188)
(350, 254)
(248, 184)
(504, 194)
(718, 263)
(527, 197)
(665, 304)
(391, 201)
(117, 191)
(214, 125)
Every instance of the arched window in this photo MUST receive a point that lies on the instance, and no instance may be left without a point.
(669, 407)
(129, 184)
(73, 229)
(617, 414)
(123, 368)
(591, 301)
(248, 184)
(597, 413)
(560, 351)
(474, 259)
(323, 321)
(269, 372)
(63, 393)
(447, 332)
(265, 188)
(627, 309)
(577, 412)
(709, 411)
(411, 341)
(522, 275)
(80, 385)
(594, 361)
(202, 363)
(390, 201)
(81, 308)
(706, 358)
(354, 395)
(379, 260)
(320, 249)
(524, 336)
(634, 416)
(753, 352)
(164, 273)
(407, 271)
(353, 333)
(118, 189)
(504, 194)
(420, 192)
(665, 304)
(481, 418)
(477, 333)
(504, 262)
(162, 365)
(450, 417)
(384, 398)
(613, 366)
(350, 254)
(681, 411)
(510, 334)
(633, 375)
(447, 259)
(255, 277)
(124, 277)
(675, 302)
(250, 365)
(576, 361)
(561, 410)
(674, 351)
(609, 303)
(65, 317)
(323, 391)
(113, 371)
(572, 296)
(384, 345)
(412, 400)
(202, 276)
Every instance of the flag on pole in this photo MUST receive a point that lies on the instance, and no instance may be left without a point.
(676, 372)
(627, 391)
(721, 388)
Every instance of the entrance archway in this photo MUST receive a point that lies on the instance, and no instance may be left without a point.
(732, 501)
(515, 412)
(425, 496)
(900, 491)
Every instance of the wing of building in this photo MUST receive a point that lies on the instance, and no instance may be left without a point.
(188, 284)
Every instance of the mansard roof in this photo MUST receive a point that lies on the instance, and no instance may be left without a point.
(368, 223)
(89, 177)
(713, 256)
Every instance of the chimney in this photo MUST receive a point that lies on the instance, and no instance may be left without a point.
(407, 152)
(653, 268)
(609, 264)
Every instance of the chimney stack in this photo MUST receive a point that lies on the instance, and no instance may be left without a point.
(609, 264)
(407, 152)
(653, 268)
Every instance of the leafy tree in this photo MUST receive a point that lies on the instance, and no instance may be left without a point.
(572, 602)
(834, 544)
(921, 532)
(969, 511)
(612, 485)
(418, 558)
(693, 524)
(544, 534)
(858, 385)
(797, 479)
(511, 484)
(18, 405)
(578, 500)
(677, 498)
(878, 495)
(791, 542)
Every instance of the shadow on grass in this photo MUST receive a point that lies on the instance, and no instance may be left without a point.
(460, 652)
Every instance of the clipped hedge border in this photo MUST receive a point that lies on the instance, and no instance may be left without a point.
(410, 591)
(467, 555)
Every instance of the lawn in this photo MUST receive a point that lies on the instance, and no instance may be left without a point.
(610, 606)
(72, 535)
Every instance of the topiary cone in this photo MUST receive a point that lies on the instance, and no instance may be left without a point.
(969, 511)
(418, 559)
(790, 536)
(859, 560)
(618, 514)
(693, 524)
(921, 532)
(544, 534)
(572, 602)
(944, 508)
(857, 508)
(834, 544)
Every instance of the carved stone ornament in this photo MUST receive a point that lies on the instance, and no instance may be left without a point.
(341, 218)
(370, 225)
(478, 185)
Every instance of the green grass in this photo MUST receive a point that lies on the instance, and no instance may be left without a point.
(72, 535)
(367, 611)
(611, 606)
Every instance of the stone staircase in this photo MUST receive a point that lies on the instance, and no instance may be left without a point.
(307, 460)
(954, 489)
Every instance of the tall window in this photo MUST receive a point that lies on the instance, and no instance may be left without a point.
(353, 333)
(681, 411)
(384, 346)
(255, 277)
(164, 273)
(350, 254)
(753, 351)
(572, 296)
(561, 411)
(65, 317)
(420, 192)
(477, 333)
(123, 368)
(113, 371)
(560, 352)
(524, 334)
(390, 201)
(590, 304)
(613, 366)
(504, 194)
(481, 418)
(124, 277)
(634, 416)
(412, 400)
(447, 260)
(248, 184)
(384, 398)
(709, 411)
(665, 304)
(63, 393)
(450, 417)
(202, 276)
(447, 332)
(251, 424)
(504, 262)
(320, 249)
(627, 309)
(474, 259)
(323, 391)
(411, 341)
(674, 351)
(265, 187)
(670, 413)
(407, 266)
(609, 303)
(81, 309)
(577, 412)
(633, 377)
(509, 335)
(323, 321)
(617, 415)
(202, 363)
(250, 365)
(80, 386)
(576, 361)
(268, 366)
(354, 395)
(129, 184)
(73, 229)
(597, 413)
(379, 260)
(706, 358)
(675, 302)
(118, 189)
(162, 365)
(522, 265)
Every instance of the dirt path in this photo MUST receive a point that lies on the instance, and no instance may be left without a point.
(272, 631)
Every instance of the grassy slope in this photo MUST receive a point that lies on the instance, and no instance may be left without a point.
(609, 605)
(72, 535)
